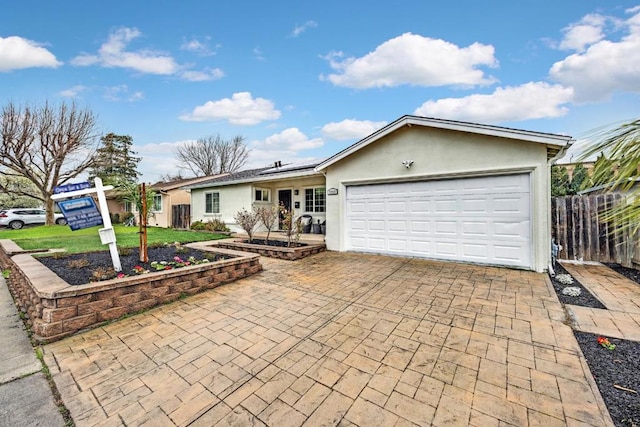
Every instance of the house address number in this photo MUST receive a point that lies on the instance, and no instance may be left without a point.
(332, 192)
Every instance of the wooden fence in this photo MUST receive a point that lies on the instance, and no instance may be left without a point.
(181, 216)
(579, 228)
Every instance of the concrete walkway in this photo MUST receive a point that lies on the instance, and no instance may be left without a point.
(25, 395)
(338, 338)
(620, 295)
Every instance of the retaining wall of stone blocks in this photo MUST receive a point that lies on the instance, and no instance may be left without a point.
(290, 254)
(54, 309)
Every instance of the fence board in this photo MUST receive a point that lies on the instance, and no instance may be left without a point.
(181, 216)
(579, 228)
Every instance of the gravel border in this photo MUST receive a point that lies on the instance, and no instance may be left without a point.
(615, 367)
(585, 299)
(629, 273)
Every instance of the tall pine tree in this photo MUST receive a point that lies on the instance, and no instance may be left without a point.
(115, 161)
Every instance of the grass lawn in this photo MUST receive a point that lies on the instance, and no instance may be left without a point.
(88, 240)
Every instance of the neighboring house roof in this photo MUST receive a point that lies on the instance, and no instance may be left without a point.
(556, 144)
(607, 186)
(269, 173)
(179, 183)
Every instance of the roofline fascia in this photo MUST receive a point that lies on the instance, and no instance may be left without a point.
(489, 130)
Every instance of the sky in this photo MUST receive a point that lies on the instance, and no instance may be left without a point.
(302, 80)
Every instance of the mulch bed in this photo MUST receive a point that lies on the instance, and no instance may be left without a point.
(629, 273)
(276, 243)
(619, 367)
(585, 299)
(82, 274)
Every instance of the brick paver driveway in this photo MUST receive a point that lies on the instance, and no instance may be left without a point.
(342, 339)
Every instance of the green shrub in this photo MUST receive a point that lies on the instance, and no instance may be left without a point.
(197, 226)
(216, 224)
(115, 218)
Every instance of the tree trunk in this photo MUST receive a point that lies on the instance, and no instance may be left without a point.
(49, 207)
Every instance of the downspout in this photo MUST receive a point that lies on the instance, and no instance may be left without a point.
(554, 247)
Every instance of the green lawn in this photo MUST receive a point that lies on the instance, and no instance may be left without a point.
(87, 240)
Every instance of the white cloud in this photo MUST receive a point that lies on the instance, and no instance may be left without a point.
(240, 109)
(606, 66)
(73, 91)
(198, 47)
(299, 29)
(350, 129)
(291, 139)
(587, 31)
(113, 53)
(17, 53)
(284, 146)
(158, 160)
(415, 60)
(532, 100)
(201, 76)
(257, 53)
(121, 93)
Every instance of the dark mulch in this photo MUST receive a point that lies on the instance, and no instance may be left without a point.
(80, 275)
(585, 299)
(277, 243)
(620, 367)
(629, 273)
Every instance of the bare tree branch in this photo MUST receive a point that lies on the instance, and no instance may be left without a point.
(41, 145)
(213, 155)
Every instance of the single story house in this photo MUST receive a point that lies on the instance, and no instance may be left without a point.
(167, 194)
(298, 186)
(419, 187)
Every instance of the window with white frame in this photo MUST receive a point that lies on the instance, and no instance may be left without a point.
(157, 203)
(212, 203)
(262, 195)
(314, 199)
(128, 206)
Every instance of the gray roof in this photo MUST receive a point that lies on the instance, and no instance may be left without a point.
(264, 173)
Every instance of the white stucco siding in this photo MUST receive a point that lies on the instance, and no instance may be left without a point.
(232, 199)
(442, 154)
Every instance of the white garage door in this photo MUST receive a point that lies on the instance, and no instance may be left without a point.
(482, 219)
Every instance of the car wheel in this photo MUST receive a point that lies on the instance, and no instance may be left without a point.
(16, 225)
(61, 221)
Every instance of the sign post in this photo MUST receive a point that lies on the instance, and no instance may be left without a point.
(82, 213)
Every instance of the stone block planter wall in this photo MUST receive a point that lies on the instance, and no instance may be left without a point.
(290, 254)
(56, 309)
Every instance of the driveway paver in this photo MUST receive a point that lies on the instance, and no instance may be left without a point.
(339, 339)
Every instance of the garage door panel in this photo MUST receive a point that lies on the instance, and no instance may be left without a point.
(394, 226)
(476, 205)
(420, 226)
(483, 219)
(397, 245)
(446, 206)
(446, 227)
(475, 228)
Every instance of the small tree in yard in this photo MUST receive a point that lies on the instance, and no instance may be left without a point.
(247, 220)
(292, 227)
(268, 216)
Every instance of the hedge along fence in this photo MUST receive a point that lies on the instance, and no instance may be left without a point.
(578, 226)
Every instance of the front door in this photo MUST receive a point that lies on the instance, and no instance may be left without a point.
(284, 198)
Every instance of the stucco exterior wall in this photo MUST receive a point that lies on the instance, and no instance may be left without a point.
(439, 154)
(232, 199)
(235, 197)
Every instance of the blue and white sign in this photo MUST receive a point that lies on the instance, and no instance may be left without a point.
(71, 187)
(80, 213)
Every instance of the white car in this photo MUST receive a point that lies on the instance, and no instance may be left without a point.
(19, 217)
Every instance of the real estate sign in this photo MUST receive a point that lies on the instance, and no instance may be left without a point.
(80, 213)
